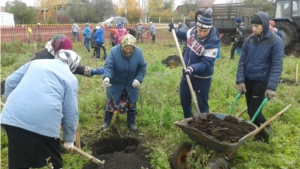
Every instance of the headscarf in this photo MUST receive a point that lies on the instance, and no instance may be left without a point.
(61, 41)
(128, 40)
(69, 57)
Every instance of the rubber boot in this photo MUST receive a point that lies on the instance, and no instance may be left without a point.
(130, 121)
(107, 119)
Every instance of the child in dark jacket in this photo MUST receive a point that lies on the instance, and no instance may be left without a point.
(93, 41)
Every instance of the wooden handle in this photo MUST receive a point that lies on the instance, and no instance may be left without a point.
(271, 119)
(187, 76)
(90, 157)
(77, 142)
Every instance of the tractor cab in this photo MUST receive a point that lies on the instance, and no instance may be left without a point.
(287, 19)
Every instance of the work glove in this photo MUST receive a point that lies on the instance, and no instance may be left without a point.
(188, 71)
(106, 82)
(97, 71)
(270, 94)
(242, 88)
(136, 83)
(69, 146)
(171, 26)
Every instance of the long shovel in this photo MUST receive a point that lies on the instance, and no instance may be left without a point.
(198, 115)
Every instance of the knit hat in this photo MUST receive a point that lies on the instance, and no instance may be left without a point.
(120, 25)
(238, 20)
(256, 20)
(69, 57)
(205, 20)
(61, 41)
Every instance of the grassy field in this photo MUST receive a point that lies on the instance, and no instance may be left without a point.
(159, 106)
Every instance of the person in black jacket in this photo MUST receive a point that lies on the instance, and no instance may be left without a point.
(240, 36)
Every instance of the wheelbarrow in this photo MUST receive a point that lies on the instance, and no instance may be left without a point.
(217, 153)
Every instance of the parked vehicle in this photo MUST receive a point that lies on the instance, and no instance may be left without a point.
(224, 16)
(114, 20)
(287, 20)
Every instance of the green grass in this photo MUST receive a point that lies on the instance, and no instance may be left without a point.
(159, 106)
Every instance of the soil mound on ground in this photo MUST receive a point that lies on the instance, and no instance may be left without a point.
(229, 130)
(119, 153)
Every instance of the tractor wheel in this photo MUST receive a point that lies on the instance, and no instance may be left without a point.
(288, 33)
(217, 163)
(226, 39)
(178, 158)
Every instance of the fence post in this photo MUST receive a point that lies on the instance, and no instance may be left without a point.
(172, 20)
(183, 19)
(158, 19)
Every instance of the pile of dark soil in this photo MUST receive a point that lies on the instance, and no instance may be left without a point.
(228, 130)
(119, 153)
(169, 59)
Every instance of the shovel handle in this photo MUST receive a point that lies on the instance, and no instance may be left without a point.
(259, 109)
(90, 157)
(187, 76)
(235, 100)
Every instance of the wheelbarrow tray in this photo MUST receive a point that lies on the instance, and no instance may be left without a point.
(208, 140)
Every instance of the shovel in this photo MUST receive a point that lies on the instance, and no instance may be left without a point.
(198, 116)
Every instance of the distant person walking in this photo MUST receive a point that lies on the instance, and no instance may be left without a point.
(139, 34)
(239, 37)
(93, 40)
(112, 33)
(87, 36)
(75, 30)
(152, 32)
(99, 36)
(120, 33)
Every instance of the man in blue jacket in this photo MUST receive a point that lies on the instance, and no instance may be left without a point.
(199, 57)
(41, 96)
(99, 36)
(87, 36)
(124, 71)
(259, 68)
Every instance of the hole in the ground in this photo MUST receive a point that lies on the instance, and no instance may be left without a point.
(125, 153)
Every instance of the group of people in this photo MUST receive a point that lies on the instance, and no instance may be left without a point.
(42, 99)
(36, 114)
(259, 66)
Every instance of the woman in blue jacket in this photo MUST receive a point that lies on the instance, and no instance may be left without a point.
(124, 71)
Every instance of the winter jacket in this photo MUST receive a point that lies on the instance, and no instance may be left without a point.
(261, 58)
(48, 53)
(183, 27)
(42, 96)
(75, 27)
(99, 36)
(152, 29)
(240, 32)
(120, 32)
(87, 32)
(122, 71)
(200, 54)
(93, 39)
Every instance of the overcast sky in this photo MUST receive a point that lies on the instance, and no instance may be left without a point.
(31, 2)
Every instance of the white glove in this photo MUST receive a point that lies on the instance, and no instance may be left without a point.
(69, 146)
(106, 82)
(136, 83)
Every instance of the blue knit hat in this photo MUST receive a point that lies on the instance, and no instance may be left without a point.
(205, 20)
(120, 25)
(238, 20)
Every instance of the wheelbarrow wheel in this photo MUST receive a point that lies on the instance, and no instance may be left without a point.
(178, 158)
(217, 163)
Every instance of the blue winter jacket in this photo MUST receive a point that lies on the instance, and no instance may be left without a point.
(87, 32)
(261, 58)
(41, 96)
(99, 36)
(122, 71)
(200, 54)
